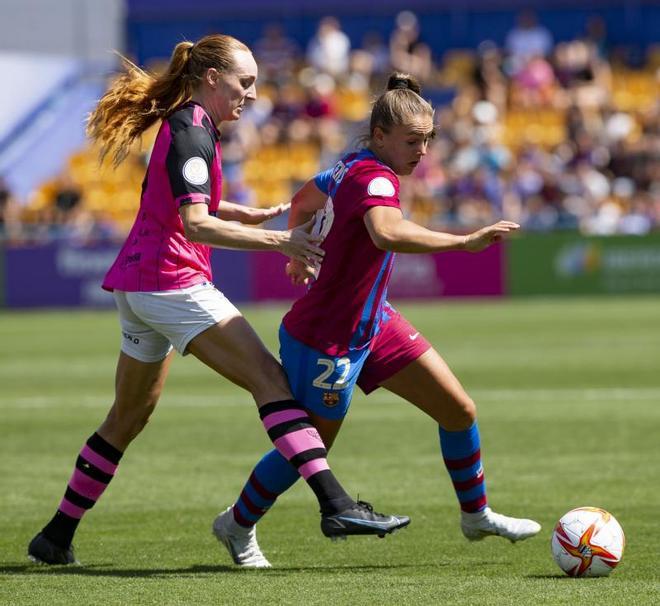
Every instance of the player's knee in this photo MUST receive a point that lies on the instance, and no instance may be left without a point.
(271, 379)
(467, 411)
(127, 425)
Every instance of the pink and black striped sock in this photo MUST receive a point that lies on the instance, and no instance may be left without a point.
(291, 431)
(95, 467)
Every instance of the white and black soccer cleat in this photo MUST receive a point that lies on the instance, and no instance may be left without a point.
(360, 519)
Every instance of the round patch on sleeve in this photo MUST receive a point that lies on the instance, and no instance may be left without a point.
(195, 171)
(380, 186)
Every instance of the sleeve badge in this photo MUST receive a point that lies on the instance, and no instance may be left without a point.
(380, 186)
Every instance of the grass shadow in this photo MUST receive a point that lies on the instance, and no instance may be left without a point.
(334, 569)
(557, 577)
(108, 570)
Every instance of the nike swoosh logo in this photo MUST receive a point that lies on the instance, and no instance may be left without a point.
(369, 523)
(413, 337)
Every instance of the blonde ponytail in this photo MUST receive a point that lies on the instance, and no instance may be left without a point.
(399, 103)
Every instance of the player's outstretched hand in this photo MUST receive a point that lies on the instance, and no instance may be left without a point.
(484, 237)
(299, 244)
(261, 215)
(299, 272)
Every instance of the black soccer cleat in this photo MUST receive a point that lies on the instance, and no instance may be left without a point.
(360, 519)
(43, 551)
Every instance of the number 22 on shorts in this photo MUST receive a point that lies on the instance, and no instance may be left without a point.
(342, 365)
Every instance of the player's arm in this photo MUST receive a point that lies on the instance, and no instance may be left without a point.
(390, 231)
(202, 228)
(229, 211)
(189, 164)
(306, 201)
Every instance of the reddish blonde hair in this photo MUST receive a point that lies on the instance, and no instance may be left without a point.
(137, 99)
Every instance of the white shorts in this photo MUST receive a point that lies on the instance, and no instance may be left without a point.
(153, 322)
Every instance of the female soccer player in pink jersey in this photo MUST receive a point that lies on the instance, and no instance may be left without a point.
(162, 285)
(343, 331)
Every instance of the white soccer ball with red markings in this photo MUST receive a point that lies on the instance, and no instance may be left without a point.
(588, 542)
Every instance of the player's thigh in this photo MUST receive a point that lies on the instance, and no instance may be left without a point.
(323, 383)
(404, 362)
(397, 344)
(142, 366)
(202, 321)
(139, 340)
(182, 314)
(233, 349)
(429, 384)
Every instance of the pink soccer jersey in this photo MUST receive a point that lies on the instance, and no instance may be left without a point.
(184, 168)
(344, 308)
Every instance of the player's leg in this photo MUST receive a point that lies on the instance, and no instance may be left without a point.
(234, 350)
(272, 476)
(325, 385)
(405, 364)
(138, 388)
(202, 321)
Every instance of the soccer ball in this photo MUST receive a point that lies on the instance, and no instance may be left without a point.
(587, 542)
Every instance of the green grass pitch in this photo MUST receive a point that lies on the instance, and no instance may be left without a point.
(568, 393)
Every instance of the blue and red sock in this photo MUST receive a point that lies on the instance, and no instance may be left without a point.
(461, 451)
(271, 477)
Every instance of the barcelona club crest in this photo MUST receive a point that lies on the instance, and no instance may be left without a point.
(330, 399)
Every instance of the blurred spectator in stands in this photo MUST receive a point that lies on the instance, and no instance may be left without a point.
(489, 77)
(408, 54)
(66, 216)
(84, 227)
(604, 221)
(289, 102)
(272, 133)
(526, 40)
(641, 216)
(329, 49)
(238, 142)
(594, 185)
(533, 85)
(275, 53)
(596, 36)
(582, 74)
(319, 102)
(594, 163)
(234, 187)
(538, 216)
(67, 196)
(527, 179)
(10, 222)
(378, 54)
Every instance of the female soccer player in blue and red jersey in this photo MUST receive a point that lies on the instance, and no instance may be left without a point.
(162, 285)
(343, 331)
